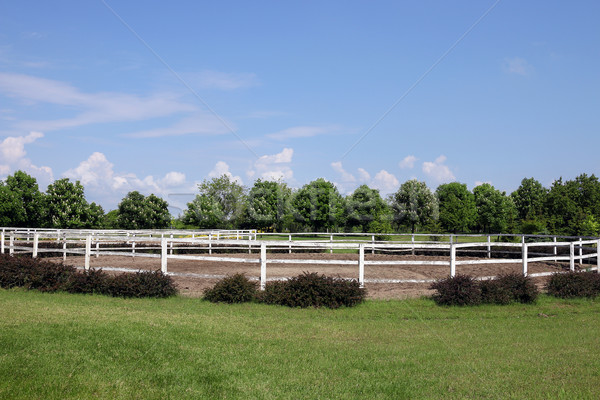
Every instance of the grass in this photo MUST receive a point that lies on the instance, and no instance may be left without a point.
(60, 346)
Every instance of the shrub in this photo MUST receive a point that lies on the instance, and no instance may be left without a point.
(141, 284)
(47, 276)
(314, 290)
(13, 272)
(460, 290)
(574, 284)
(521, 288)
(232, 289)
(492, 292)
(92, 281)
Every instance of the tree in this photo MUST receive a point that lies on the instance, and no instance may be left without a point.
(367, 211)
(66, 206)
(29, 198)
(204, 212)
(268, 204)
(457, 207)
(230, 195)
(529, 199)
(12, 211)
(319, 205)
(414, 204)
(137, 211)
(495, 210)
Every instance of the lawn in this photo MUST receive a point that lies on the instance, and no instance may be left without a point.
(61, 346)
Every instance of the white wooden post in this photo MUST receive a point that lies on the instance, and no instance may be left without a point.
(97, 248)
(171, 246)
(412, 240)
(361, 265)
(598, 256)
(210, 243)
(373, 244)
(11, 244)
(580, 252)
(330, 244)
(163, 255)
(88, 249)
(263, 266)
(489, 246)
(452, 259)
(2, 242)
(524, 257)
(290, 245)
(36, 239)
(572, 256)
(133, 248)
(555, 252)
(65, 250)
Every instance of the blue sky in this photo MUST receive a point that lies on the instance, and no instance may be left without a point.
(156, 97)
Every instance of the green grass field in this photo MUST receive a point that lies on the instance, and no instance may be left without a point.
(61, 346)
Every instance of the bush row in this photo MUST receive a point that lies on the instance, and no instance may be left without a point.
(464, 290)
(574, 284)
(305, 290)
(32, 273)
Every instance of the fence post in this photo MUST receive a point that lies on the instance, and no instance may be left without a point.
(163, 255)
(171, 246)
(65, 250)
(330, 244)
(97, 248)
(555, 252)
(263, 265)
(36, 239)
(210, 243)
(572, 256)
(580, 252)
(524, 258)
(11, 244)
(598, 256)
(372, 244)
(361, 265)
(133, 247)
(88, 249)
(452, 259)
(412, 240)
(489, 246)
(2, 242)
(290, 246)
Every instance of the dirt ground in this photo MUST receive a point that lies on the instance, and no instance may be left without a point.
(205, 274)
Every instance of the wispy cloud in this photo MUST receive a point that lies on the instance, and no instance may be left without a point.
(303, 132)
(274, 166)
(89, 108)
(200, 123)
(518, 66)
(223, 80)
(222, 168)
(408, 162)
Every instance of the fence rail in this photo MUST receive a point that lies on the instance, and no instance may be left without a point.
(165, 244)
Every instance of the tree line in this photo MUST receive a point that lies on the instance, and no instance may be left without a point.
(570, 207)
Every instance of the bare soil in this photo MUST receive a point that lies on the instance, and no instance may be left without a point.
(212, 271)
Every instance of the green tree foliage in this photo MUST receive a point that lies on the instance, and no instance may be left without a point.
(204, 212)
(11, 209)
(414, 205)
(137, 211)
(230, 197)
(495, 211)
(66, 206)
(29, 200)
(319, 206)
(268, 205)
(457, 207)
(529, 201)
(367, 211)
(573, 206)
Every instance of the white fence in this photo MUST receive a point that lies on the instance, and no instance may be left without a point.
(166, 244)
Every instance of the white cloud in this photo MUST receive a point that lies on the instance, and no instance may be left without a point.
(13, 157)
(408, 162)
(224, 80)
(91, 108)
(274, 167)
(385, 182)
(479, 183)
(363, 175)
(438, 171)
(222, 168)
(518, 66)
(346, 176)
(198, 124)
(303, 132)
(99, 178)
